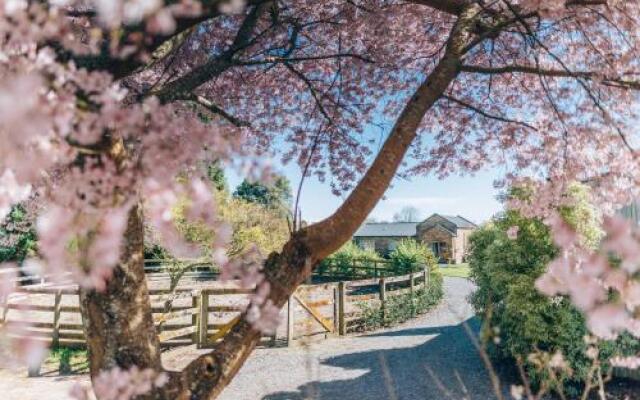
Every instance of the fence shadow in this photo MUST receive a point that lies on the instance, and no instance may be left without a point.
(445, 366)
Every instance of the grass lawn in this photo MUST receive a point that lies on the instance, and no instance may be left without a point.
(456, 270)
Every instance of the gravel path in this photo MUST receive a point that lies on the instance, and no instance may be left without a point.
(430, 357)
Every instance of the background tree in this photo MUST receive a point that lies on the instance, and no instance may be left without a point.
(407, 214)
(275, 195)
(110, 114)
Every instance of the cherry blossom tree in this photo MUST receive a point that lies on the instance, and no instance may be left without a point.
(103, 104)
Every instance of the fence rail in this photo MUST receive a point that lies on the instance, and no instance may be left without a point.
(200, 312)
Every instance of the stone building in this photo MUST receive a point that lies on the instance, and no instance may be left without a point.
(447, 236)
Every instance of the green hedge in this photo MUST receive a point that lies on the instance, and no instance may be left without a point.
(342, 261)
(408, 256)
(400, 308)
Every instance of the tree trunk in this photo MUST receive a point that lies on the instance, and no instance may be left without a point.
(118, 322)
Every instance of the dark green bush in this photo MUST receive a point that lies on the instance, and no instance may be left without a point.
(517, 319)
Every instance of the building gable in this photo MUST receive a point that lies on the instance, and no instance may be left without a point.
(437, 220)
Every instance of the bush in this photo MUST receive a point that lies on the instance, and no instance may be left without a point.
(517, 319)
(17, 236)
(400, 308)
(342, 261)
(411, 255)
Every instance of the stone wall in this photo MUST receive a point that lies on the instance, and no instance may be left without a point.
(436, 234)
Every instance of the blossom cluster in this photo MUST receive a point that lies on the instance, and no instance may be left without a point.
(121, 384)
(248, 269)
(600, 282)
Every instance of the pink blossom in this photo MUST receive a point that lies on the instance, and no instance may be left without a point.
(18, 346)
(121, 384)
(608, 321)
(630, 362)
(265, 317)
(11, 192)
(563, 235)
(512, 232)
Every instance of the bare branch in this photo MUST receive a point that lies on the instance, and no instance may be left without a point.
(488, 115)
(214, 108)
(557, 73)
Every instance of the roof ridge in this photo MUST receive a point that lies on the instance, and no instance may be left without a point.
(391, 222)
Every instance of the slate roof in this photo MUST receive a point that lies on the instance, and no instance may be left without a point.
(406, 229)
(387, 229)
(459, 221)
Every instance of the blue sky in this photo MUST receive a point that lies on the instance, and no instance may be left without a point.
(473, 197)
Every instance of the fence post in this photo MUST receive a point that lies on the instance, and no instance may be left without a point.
(412, 294)
(57, 308)
(383, 298)
(194, 316)
(342, 326)
(375, 268)
(336, 300)
(427, 276)
(203, 318)
(290, 320)
(4, 303)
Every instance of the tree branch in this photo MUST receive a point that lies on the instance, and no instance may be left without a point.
(214, 108)
(186, 84)
(488, 115)
(206, 376)
(453, 7)
(552, 72)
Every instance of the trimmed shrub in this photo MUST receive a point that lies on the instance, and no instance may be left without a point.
(342, 261)
(411, 255)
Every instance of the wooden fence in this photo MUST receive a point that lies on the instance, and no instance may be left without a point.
(201, 312)
(375, 268)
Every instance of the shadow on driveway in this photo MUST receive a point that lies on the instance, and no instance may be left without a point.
(445, 366)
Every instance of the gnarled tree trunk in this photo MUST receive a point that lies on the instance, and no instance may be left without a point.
(118, 322)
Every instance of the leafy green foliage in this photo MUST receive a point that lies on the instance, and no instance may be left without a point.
(68, 360)
(17, 236)
(215, 173)
(342, 261)
(517, 319)
(253, 224)
(411, 255)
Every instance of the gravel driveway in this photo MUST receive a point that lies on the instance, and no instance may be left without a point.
(430, 357)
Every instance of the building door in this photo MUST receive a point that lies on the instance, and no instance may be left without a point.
(440, 249)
